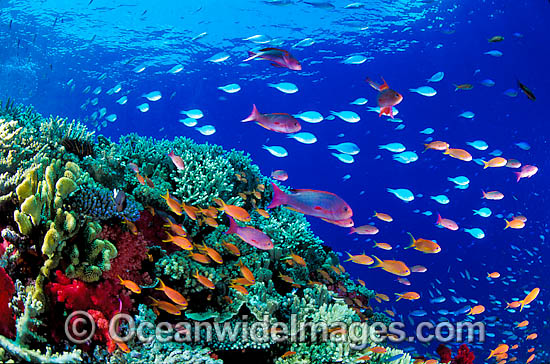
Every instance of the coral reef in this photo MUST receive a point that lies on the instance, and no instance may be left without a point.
(109, 252)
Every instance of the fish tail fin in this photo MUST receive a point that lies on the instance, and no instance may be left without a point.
(378, 262)
(456, 87)
(351, 230)
(518, 176)
(279, 197)
(399, 297)
(170, 238)
(232, 226)
(476, 212)
(375, 244)
(350, 257)
(484, 194)
(251, 55)
(507, 224)
(413, 242)
(253, 115)
(485, 165)
(447, 151)
(161, 285)
(219, 201)
(425, 148)
(121, 280)
(522, 304)
(373, 84)
(438, 222)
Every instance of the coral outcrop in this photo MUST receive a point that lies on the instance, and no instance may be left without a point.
(72, 244)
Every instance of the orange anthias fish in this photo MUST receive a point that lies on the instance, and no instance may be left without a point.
(396, 267)
(436, 145)
(213, 254)
(171, 293)
(239, 288)
(232, 248)
(180, 241)
(529, 298)
(382, 216)
(493, 275)
(384, 246)
(130, 285)
(247, 273)
(236, 212)
(173, 204)
(166, 306)
(476, 310)
(532, 336)
(383, 297)
(364, 230)
(176, 229)
(458, 154)
(492, 195)
(408, 296)
(514, 224)
(360, 259)
(387, 98)
(523, 323)
(464, 86)
(298, 259)
(204, 280)
(424, 245)
(501, 349)
(495, 163)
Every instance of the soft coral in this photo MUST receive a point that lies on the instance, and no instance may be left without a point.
(464, 356)
(7, 289)
(102, 301)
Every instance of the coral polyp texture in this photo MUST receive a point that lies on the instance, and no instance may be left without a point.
(109, 228)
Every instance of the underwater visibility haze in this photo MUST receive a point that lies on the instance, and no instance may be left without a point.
(258, 166)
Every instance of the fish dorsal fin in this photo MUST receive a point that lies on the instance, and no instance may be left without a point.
(274, 49)
(383, 86)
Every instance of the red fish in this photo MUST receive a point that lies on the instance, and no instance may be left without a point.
(177, 160)
(341, 223)
(279, 175)
(527, 171)
(250, 235)
(446, 223)
(278, 122)
(321, 204)
(386, 98)
(278, 58)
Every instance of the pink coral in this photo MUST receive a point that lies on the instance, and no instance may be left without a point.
(132, 250)
(7, 289)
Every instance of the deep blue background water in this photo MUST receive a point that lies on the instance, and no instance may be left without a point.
(444, 36)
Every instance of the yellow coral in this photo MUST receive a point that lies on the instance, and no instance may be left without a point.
(23, 222)
(24, 189)
(32, 207)
(50, 242)
(70, 222)
(64, 187)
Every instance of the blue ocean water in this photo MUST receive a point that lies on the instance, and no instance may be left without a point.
(54, 50)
